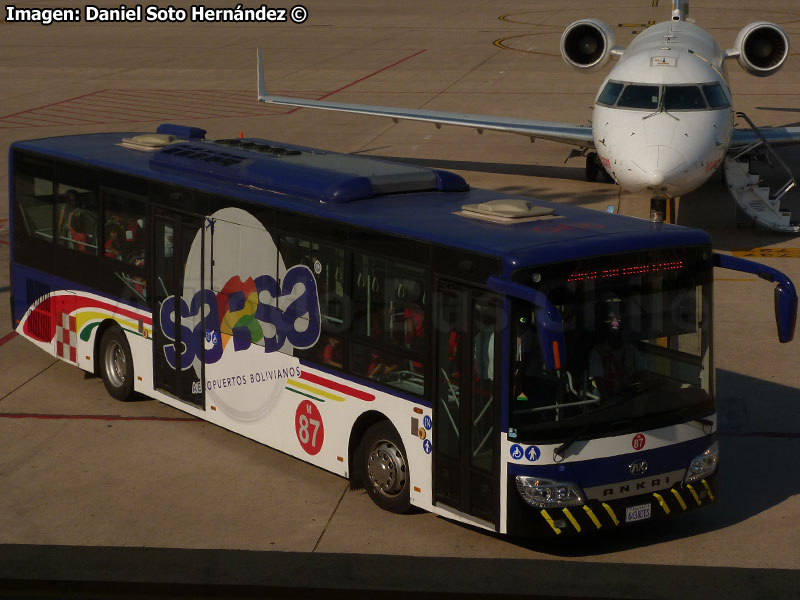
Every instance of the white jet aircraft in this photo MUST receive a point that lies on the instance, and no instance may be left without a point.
(662, 118)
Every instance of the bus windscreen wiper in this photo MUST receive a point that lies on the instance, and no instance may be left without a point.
(558, 453)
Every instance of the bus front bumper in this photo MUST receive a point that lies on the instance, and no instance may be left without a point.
(596, 515)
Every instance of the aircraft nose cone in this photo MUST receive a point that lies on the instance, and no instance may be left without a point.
(659, 164)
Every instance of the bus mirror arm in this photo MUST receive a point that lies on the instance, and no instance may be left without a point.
(785, 294)
(549, 321)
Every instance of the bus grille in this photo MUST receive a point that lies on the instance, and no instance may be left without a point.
(40, 322)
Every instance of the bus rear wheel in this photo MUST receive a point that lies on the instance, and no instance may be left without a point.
(116, 364)
(385, 468)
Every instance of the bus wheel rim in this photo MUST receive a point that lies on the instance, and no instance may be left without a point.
(116, 365)
(386, 468)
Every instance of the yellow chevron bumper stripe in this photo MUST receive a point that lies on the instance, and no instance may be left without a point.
(592, 516)
(550, 522)
(611, 514)
(677, 495)
(662, 503)
(572, 520)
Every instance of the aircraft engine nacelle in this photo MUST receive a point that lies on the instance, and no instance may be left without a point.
(763, 48)
(586, 44)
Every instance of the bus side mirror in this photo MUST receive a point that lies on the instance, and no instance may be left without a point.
(785, 294)
(785, 312)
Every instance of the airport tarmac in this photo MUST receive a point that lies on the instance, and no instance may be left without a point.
(80, 471)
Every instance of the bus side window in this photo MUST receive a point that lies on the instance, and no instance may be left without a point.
(124, 227)
(389, 320)
(409, 306)
(76, 218)
(389, 302)
(33, 190)
(124, 239)
(327, 263)
(371, 316)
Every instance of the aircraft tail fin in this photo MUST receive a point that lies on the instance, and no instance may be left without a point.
(262, 89)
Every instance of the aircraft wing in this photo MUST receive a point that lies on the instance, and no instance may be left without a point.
(576, 135)
(776, 136)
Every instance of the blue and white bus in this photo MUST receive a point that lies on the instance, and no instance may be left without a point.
(525, 367)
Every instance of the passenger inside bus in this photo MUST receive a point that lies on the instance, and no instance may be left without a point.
(332, 355)
(380, 364)
(614, 363)
(134, 241)
(111, 247)
(77, 219)
(78, 225)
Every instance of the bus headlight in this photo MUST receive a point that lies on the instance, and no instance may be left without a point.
(544, 493)
(703, 465)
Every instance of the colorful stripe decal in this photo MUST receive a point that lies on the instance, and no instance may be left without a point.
(83, 317)
(304, 394)
(337, 387)
(314, 390)
(45, 314)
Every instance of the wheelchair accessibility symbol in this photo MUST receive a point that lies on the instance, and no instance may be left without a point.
(517, 452)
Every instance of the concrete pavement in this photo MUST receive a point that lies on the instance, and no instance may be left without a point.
(97, 473)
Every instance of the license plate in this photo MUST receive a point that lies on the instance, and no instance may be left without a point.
(640, 512)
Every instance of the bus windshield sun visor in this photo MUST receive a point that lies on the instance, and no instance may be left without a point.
(785, 293)
(549, 321)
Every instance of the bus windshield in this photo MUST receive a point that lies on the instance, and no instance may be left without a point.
(637, 330)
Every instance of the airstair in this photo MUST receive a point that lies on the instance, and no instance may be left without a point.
(753, 199)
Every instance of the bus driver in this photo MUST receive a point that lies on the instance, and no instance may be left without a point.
(614, 363)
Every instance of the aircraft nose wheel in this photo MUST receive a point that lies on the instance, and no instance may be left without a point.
(658, 210)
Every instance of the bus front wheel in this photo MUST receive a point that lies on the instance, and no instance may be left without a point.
(116, 364)
(386, 468)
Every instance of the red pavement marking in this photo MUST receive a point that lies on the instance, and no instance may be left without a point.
(111, 106)
(22, 112)
(97, 418)
(351, 84)
(394, 64)
(8, 337)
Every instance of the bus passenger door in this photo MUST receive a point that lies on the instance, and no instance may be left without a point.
(466, 412)
(178, 342)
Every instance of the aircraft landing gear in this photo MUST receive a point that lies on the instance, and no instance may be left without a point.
(595, 172)
(663, 210)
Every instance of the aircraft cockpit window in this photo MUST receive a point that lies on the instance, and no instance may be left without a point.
(639, 96)
(683, 97)
(715, 96)
(610, 93)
